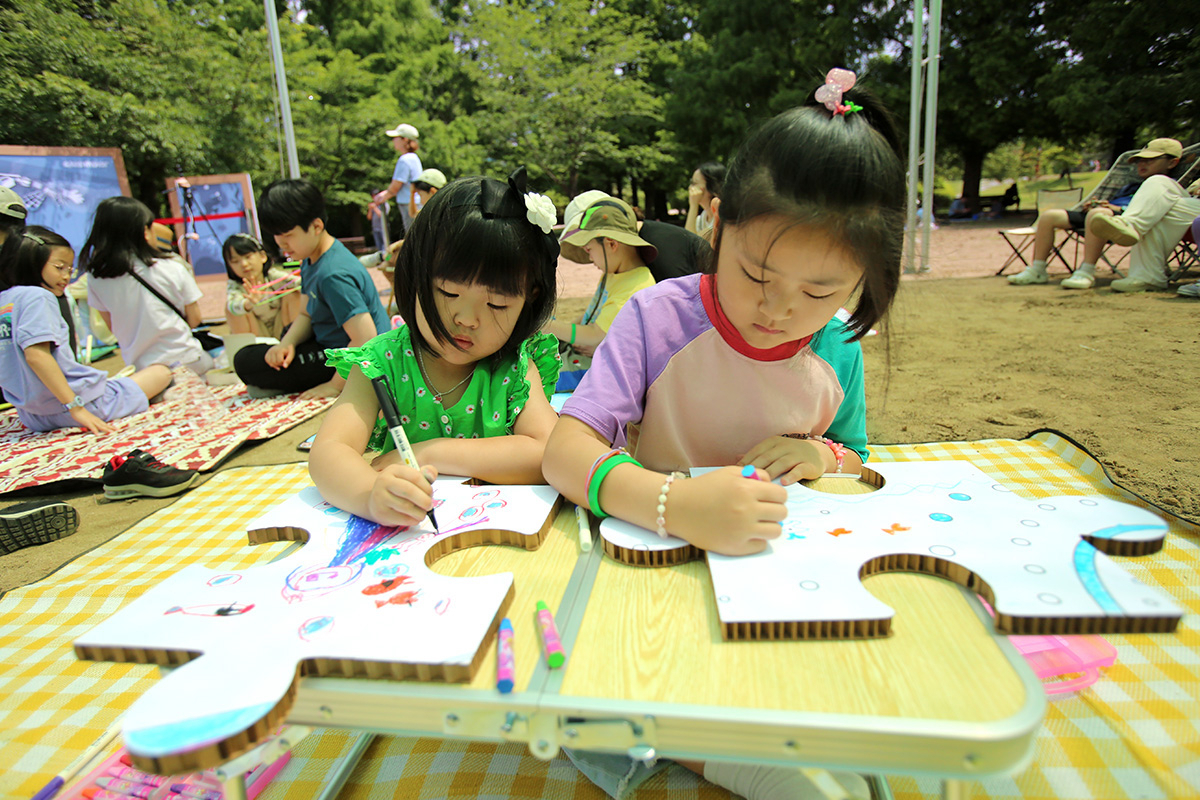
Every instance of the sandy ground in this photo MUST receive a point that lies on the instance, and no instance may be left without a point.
(965, 356)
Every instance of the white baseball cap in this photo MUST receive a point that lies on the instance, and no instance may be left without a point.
(11, 204)
(405, 130)
(434, 177)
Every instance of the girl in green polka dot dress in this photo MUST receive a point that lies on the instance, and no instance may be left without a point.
(471, 374)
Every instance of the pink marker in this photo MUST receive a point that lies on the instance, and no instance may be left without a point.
(199, 792)
(136, 776)
(128, 788)
(555, 655)
(506, 662)
(750, 472)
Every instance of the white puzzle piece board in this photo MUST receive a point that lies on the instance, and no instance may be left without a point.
(357, 598)
(942, 517)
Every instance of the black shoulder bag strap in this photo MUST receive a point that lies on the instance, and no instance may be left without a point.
(158, 294)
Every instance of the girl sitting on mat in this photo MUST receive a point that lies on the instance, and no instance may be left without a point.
(38, 370)
(746, 364)
(470, 374)
(150, 303)
(260, 298)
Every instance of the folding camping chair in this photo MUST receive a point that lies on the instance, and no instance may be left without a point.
(1186, 255)
(1021, 239)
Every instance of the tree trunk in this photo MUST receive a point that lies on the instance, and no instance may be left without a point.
(1123, 142)
(633, 191)
(972, 172)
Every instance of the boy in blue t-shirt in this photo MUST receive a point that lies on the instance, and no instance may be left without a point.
(340, 303)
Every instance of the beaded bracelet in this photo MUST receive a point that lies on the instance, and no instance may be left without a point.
(839, 450)
(661, 519)
(597, 480)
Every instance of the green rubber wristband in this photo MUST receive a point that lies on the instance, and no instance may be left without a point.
(598, 478)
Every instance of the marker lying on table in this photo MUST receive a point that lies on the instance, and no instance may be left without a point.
(585, 529)
(97, 747)
(506, 663)
(555, 656)
(391, 418)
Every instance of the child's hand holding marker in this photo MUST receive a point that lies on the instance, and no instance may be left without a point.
(725, 513)
(402, 495)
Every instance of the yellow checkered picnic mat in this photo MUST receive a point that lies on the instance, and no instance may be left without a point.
(1136, 733)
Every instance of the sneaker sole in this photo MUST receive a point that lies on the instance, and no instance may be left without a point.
(141, 490)
(37, 526)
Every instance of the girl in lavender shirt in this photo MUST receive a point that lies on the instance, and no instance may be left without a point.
(746, 365)
(38, 371)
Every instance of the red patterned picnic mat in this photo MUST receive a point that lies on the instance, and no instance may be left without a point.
(193, 428)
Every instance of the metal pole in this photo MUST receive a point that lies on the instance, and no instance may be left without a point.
(914, 132)
(931, 104)
(285, 105)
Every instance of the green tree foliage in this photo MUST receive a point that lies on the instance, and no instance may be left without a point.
(1134, 70)
(166, 86)
(751, 59)
(556, 83)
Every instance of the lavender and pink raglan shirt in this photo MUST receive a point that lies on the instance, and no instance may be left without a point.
(700, 396)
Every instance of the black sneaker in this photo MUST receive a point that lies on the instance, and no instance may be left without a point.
(35, 522)
(141, 474)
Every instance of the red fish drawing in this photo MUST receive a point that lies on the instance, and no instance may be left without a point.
(386, 585)
(399, 598)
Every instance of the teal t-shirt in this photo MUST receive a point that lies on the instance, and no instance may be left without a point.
(339, 287)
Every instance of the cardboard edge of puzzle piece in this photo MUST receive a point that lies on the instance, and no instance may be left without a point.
(1061, 564)
(239, 715)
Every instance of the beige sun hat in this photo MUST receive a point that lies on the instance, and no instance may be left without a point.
(1161, 147)
(607, 217)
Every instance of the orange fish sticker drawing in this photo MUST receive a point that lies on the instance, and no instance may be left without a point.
(386, 585)
(838, 532)
(895, 527)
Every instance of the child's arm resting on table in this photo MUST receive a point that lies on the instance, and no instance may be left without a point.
(513, 459)
(719, 511)
(41, 360)
(395, 495)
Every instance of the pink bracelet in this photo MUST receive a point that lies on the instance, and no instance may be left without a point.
(596, 465)
(839, 450)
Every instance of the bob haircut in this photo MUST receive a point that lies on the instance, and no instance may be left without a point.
(842, 175)
(118, 238)
(713, 173)
(243, 244)
(452, 240)
(24, 262)
(288, 204)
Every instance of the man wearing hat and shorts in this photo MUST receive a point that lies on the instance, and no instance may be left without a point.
(607, 231)
(1136, 208)
(408, 167)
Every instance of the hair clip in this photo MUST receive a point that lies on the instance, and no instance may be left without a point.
(35, 237)
(829, 93)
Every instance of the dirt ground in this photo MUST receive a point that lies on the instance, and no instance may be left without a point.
(964, 356)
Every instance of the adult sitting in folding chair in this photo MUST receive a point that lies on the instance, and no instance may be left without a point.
(1155, 159)
(1153, 224)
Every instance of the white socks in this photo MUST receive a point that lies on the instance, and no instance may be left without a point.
(1039, 266)
(755, 782)
(1086, 269)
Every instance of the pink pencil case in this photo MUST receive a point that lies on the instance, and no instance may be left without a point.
(256, 780)
(1053, 657)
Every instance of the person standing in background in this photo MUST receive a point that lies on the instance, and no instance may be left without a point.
(408, 167)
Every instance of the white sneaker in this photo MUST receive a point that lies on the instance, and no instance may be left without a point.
(1027, 276)
(1078, 281)
(1189, 290)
